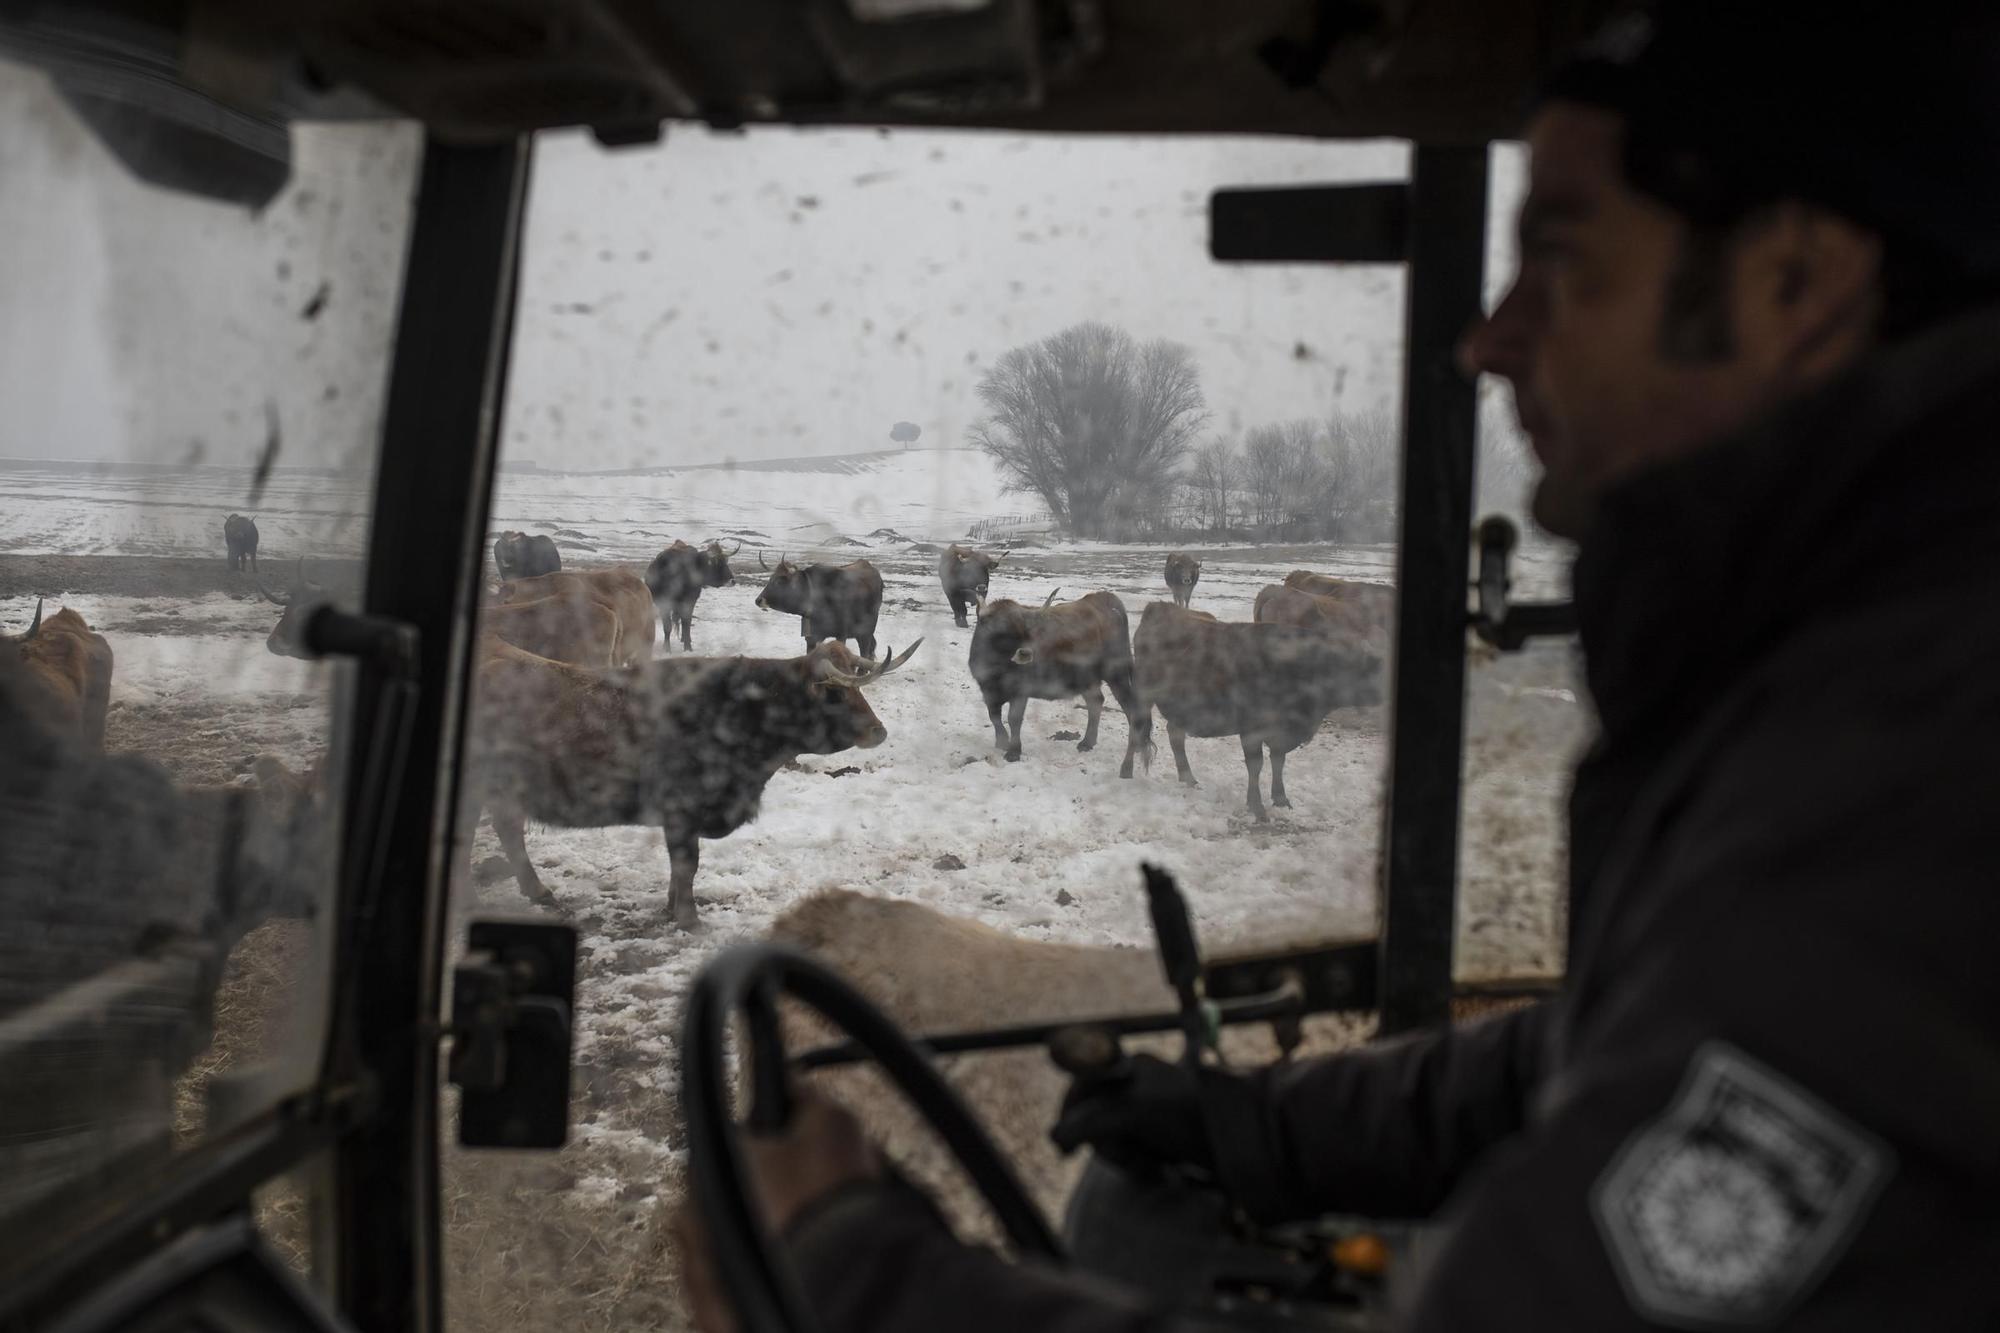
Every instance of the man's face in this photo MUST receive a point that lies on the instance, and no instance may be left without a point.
(1579, 336)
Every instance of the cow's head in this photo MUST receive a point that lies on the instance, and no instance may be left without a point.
(786, 590)
(300, 601)
(815, 702)
(712, 564)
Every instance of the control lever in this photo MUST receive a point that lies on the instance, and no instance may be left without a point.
(1509, 625)
(1180, 960)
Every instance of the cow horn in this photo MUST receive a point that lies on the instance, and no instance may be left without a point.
(733, 550)
(1050, 598)
(272, 597)
(890, 661)
(998, 558)
(35, 625)
(305, 581)
(760, 559)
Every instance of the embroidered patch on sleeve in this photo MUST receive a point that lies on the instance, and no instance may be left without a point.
(1734, 1203)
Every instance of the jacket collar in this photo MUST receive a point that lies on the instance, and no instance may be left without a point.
(1889, 475)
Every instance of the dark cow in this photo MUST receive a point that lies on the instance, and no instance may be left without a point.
(621, 591)
(685, 743)
(831, 601)
(518, 556)
(1183, 572)
(677, 577)
(239, 534)
(1270, 685)
(68, 671)
(1056, 652)
(965, 574)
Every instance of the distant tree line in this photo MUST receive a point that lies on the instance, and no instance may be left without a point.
(1106, 431)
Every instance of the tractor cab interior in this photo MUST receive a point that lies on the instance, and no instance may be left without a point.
(398, 1014)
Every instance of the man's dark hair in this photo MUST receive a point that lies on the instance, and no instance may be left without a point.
(1732, 106)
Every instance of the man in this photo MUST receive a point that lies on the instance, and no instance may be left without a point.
(1755, 339)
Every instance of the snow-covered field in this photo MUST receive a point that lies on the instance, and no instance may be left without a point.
(1047, 848)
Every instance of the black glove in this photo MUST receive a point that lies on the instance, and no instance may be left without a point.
(1142, 1114)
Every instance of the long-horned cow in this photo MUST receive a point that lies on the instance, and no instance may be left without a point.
(239, 535)
(519, 556)
(620, 591)
(965, 574)
(1057, 652)
(831, 601)
(1183, 572)
(1269, 685)
(677, 577)
(68, 666)
(686, 743)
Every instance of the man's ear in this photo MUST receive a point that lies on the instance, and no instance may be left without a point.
(1812, 283)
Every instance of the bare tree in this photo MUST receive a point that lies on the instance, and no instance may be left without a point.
(1093, 422)
(1362, 454)
(1211, 475)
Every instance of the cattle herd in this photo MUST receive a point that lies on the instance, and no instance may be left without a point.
(581, 726)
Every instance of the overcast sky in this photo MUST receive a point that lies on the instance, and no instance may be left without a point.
(789, 292)
(758, 295)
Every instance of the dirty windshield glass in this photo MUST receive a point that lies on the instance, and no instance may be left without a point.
(899, 537)
(193, 393)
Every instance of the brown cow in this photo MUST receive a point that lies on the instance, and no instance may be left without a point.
(686, 743)
(1183, 572)
(1056, 652)
(69, 666)
(831, 601)
(620, 590)
(1378, 599)
(1309, 610)
(1270, 685)
(965, 574)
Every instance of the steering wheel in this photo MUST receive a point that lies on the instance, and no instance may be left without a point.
(749, 979)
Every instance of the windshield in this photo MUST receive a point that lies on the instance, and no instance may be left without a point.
(193, 395)
(979, 396)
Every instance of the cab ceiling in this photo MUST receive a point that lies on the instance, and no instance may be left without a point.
(1438, 71)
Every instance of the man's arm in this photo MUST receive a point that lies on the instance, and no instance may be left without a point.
(1387, 1130)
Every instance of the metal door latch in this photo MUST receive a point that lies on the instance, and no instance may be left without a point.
(513, 1004)
(1503, 624)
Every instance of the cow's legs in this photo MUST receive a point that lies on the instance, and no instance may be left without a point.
(683, 859)
(1017, 712)
(685, 615)
(1178, 739)
(957, 600)
(1093, 703)
(1278, 797)
(1138, 740)
(511, 829)
(1253, 764)
(253, 560)
(866, 643)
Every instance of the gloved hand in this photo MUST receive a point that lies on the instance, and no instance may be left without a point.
(1141, 1114)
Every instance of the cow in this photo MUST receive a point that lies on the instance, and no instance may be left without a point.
(1183, 572)
(677, 577)
(519, 556)
(1269, 685)
(965, 574)
(831, 601)
(685, 743)
(1056, 652)
(68, 668)
(620, 591)
(239, 534)
(1277, 605)
(1378, 600)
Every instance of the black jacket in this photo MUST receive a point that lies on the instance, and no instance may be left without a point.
(1769, 1093)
